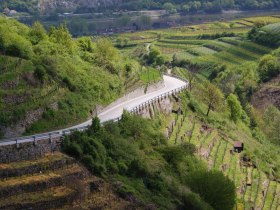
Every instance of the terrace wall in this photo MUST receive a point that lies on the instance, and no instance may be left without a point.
(28, 150)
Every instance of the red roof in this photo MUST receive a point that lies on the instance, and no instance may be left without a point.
(238, 144)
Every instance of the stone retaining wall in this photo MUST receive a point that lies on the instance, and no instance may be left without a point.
(29, 150)
(36, 168)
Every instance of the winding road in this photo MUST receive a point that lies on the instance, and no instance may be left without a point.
(171, 84)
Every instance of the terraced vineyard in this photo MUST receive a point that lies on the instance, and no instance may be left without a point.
(230, 51)
(220, 43)
(54, 181)
(217, 42)
(254, 188)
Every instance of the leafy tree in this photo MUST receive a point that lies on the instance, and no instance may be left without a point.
(169, 7)
(105, 53)
(213, 97)
(234, 107)
(62, 36)
(37, 33)
(214, 188)
(226, 81)
(85, 44)
(95, 125)
(191, 80)
(268, 68)
(272, 123)
(155, 57)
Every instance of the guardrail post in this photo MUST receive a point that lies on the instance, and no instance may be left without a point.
(17, 144)
(34, 141)
(50, 138)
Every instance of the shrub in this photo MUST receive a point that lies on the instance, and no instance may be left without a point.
(40, 73)
(68, 84)
(214, 188)
(137, 168)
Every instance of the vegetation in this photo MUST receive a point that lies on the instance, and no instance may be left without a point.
(59, 78)
(213, 97)
(134, 152)
(268, 35)
(225, 63)
(234, 107)
(226, 66)
(174, 6)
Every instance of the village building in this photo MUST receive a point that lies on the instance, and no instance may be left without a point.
(9, 12)
(238, 146)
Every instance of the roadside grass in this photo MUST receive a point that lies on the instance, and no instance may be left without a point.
(150, 75)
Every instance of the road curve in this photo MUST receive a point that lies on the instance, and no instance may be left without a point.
(170, 84)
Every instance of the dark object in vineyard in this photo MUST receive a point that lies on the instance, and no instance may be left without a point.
(238, 146)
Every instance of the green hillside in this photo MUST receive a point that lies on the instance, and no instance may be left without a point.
(180, 160)
(268, 35)
(49, 80)
(274, 28)
(227, 55)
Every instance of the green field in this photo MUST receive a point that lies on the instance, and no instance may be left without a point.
(217, 42)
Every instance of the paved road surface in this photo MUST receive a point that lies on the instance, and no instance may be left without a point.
(170, 83)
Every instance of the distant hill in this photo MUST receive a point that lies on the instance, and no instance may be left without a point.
(213, 6)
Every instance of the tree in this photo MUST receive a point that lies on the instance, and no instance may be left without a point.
(247, 79)
(268, 67)
(154, 57)
(272, 123)
(234, 107)
(214, 188)
(105, 54)
(105, 50)
(96, 125)
(191, 80)
(169, 7)
(37, 33)
(213, 97)
(62, 36)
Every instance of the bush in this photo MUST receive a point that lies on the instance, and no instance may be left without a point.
(73, 149)
(68, 84)
(214, 188)
(137, 168)
(40, 73)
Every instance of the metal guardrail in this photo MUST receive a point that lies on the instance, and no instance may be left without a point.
(60, 133)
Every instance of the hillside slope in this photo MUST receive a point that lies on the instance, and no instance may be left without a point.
(268, 94)
(55, 181)
(50, 80)
(223, 55)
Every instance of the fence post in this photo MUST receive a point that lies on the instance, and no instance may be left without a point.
(34, 140)
(17, 144)
(50, 138)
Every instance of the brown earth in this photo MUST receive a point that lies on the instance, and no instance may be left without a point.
(267, 94)
(55, 181)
